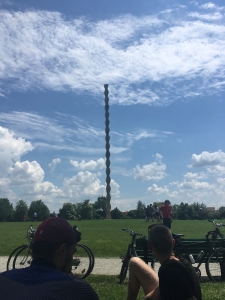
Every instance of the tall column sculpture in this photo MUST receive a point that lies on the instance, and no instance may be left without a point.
(107, 153)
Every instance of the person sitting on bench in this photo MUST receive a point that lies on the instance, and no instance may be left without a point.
(176, 280)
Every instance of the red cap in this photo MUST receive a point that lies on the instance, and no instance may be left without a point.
(55, 230)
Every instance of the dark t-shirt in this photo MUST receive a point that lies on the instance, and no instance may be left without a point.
(178, 281)
(42, 281)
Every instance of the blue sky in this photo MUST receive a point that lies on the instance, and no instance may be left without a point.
(164, 62)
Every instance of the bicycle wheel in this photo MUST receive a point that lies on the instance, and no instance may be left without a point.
(123, 272)
(215, 265)
(82, 262)
(9, 264)
(92, 257)
(23, 258)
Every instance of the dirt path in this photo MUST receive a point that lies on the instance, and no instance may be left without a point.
(103, 266)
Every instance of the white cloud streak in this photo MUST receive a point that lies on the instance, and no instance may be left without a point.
(54, 164)
(90, 165)
(144, 59)
(153, 171)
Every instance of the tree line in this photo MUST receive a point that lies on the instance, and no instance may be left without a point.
(97, 210)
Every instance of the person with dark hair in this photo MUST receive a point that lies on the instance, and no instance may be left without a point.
(147, 212)
(151, 210)
(49, 275)
(176, 280)
(166, 212)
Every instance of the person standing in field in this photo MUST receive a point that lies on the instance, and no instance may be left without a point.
(166, 212)
(35, 216)
(24, 218)
(157, 214)
(151, 209)
(147, 213)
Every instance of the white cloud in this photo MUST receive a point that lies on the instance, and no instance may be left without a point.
(207, 17)
(194, 176)
(215, 161)
(158, 190)
(221, 181)
(191, 182)
(11, 149)
(84, 183)
(115, 192)
(90, 165)
(66, 132)
(54, 163)
(194, 184)
(208, 5)
(153, 171)
(56, 53)
(26, 173)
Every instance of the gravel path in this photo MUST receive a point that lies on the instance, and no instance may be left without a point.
(103, 266)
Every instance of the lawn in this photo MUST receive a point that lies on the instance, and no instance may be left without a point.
(108, 288)
(104, 237)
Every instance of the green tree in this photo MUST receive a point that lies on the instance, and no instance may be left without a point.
(191, 212)
(100, 204)
(182, 213)
(20, 210)
(131, 213)
(140, 211)
(40, 208)
(85, 210)
(6, 210)
(67, 212)
(116, 213)
(222, 212)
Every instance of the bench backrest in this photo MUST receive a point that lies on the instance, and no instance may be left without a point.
(189, 246)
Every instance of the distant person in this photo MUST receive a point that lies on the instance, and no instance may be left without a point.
(49, 275)
(176, 280)
(157, 214)
(166, 212)
(151, 208)
(24, 218)
(35, 217)
(147, 213)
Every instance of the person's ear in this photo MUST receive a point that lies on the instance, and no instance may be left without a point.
(62, 251)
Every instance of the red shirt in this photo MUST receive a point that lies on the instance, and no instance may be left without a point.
(166, 211)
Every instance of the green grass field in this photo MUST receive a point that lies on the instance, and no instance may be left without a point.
(106, 239)
(108, 288)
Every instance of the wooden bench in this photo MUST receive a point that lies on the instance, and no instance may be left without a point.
(189, 246)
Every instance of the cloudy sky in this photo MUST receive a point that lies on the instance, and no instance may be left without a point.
(164, 62)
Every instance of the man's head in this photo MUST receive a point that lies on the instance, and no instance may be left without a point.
(167, 202)
(55, 240)
(160, 240)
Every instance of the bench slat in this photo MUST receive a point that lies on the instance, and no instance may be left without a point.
(190, 246)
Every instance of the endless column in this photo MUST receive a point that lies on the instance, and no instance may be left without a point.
(107, 154)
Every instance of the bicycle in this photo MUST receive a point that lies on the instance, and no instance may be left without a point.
(131, 252)
(82, 264)
(214, 258)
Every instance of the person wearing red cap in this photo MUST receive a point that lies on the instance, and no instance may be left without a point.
(49, 275)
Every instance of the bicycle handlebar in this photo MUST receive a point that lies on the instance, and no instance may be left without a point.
(216, 224)
(134, 233)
